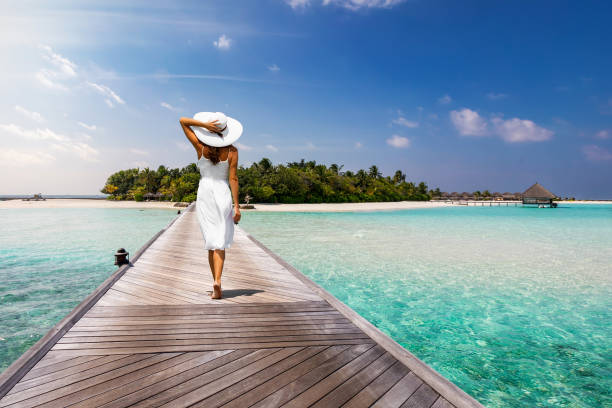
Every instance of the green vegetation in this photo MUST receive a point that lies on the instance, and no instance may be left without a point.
(297, 182)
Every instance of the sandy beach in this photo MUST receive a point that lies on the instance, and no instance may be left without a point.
(326, 207)
(323, 207)
(343, 207)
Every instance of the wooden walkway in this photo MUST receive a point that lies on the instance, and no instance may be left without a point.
(150, 336)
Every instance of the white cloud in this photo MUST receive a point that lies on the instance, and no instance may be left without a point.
(602, 134)
(35, 116)
(80, 149)
(496, 96)
(596, 153)
(358, 4)
(405, 122)
(358, 145)
(105, 91)
(16, 158)
(63, 70)
(398, 141)
(86, 126)
(139, 152)
(109, 103)
(274, 68)
(296, 4)
(445, 100)
(36, 134)
(223, 43)
(168, 106)
(520, 130)
(468, 122)
(243, 147)
(65, 66)
(58, 141)
(47, 78)
(272, 148)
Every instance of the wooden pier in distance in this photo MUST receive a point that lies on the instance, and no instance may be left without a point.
(150, 336)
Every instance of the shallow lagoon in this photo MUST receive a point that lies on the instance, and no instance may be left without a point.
(512, 304)
(51, 259)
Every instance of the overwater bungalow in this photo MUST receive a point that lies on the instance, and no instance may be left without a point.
(507, 196)
(538, 195)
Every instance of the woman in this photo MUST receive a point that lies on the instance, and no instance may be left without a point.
(218, 164)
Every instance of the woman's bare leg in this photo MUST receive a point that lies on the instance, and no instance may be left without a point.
(211, 262)
(218, 260)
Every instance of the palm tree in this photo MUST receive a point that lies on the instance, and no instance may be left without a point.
(374, 172)
(399, 177)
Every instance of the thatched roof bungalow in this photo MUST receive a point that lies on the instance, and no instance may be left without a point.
(538, 195)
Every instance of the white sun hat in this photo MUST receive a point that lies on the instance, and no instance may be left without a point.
(231, 129)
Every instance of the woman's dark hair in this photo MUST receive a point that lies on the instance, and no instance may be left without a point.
(213, 154)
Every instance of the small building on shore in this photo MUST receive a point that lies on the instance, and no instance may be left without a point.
(538, 195)
(153, 196)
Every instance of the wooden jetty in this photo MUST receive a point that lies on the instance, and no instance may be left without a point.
(150, 336)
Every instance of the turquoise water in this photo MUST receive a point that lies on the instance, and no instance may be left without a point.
(51, 259)
(511, 304)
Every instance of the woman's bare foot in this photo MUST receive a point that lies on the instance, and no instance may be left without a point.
(216, 294)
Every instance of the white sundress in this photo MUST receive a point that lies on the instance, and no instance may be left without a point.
(214, 204)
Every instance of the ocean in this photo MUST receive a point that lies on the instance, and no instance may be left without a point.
(51, 259)
(512, 304)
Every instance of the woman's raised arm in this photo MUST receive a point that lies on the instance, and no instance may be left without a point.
(187, 122)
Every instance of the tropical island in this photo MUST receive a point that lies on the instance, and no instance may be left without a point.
(264, 182)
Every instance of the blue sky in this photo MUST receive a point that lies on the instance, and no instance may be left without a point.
(463, 95)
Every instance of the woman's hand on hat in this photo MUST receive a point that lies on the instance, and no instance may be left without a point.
(213, 126)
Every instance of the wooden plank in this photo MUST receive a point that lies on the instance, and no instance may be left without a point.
(323, 387)
(356, 383)
(53, 389)
(61, 373)
(163, 381)
(190, 310)
(442, 403)
(173, 393)
(209, 335)
(49, 368)
(186, 329)
(262, 391)
(423, 397)
(370, 394)
(302, 383)
(400, 392)
(132, 383)
(204, 320)
(93, 393)
(229, 379)
(203, 347)
(157, 325)
(250, 382)
(71, 344)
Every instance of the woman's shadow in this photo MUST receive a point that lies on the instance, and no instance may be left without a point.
(230, 293)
